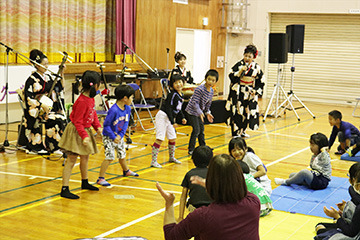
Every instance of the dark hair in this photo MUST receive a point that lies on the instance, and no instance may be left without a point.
(89, 80)
(244, 167)
(336, 114)
(225, 181)
(202, 156)
(319, 139)
(237, 142)
(37, 55)
(174, 78)
(213, 73)
(357, 177)
(353, 170)
(122, 91)
(178, 56)
(251, 49)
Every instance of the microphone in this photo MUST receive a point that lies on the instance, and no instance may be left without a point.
(243, 72)
(167, 49)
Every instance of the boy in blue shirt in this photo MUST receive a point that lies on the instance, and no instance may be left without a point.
(347, 133)
(199, 104)
(115, 126)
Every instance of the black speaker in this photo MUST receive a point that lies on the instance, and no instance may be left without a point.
(278, 48)
(296, 38)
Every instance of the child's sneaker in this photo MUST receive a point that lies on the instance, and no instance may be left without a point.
(244, 135)
(103, 182)
(155, 164)
(279, 181)
(349, 151)
(174, 160)
(130, 173)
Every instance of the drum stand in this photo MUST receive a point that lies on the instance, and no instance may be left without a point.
(291, 94)
(276, 92)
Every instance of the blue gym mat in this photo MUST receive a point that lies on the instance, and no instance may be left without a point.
(355, 158)
(300, 199)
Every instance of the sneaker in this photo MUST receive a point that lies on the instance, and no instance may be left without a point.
(190, 152)
(349, 151)
(130, 173)
(103, 182)
(43, 152)
(340, 152)
(174, 160)
(156, 165)
(58, 152)
(279, 181)
(245, 135)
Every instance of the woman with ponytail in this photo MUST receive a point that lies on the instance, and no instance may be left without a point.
(78, 139)
(180, 68)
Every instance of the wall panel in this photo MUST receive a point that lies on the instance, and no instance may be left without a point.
(156, 25)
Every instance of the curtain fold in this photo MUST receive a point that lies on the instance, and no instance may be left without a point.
(125, 25)
(78, 27)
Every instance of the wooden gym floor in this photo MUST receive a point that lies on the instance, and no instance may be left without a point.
(31, 207)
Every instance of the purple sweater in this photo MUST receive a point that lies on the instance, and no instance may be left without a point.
(219, 221)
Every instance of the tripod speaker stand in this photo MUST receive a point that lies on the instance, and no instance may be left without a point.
(291, 94)
(276, 92)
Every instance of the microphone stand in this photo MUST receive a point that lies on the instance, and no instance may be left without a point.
(167, 61)
(6, 141)
(147, 65)
(131, 121)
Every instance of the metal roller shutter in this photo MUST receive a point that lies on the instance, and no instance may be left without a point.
(329, 69)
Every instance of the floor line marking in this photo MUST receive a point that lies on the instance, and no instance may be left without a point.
(133, 222)
(24, 160)
(225, 134)
(286, 157)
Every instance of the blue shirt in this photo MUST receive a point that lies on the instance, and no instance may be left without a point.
(116, 121)
(345, 127)
(200, 101)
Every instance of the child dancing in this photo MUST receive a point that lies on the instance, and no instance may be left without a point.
(78, 139)
(199, 103)
(165, 120)
(115, 126)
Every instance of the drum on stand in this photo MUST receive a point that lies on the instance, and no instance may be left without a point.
(188, 90)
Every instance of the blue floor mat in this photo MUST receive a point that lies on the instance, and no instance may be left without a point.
(355, 158)
(300, 199)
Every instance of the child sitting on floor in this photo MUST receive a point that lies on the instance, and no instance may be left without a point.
(197, 194)
(239, 151)
(320, 174)
(347, 218)
(255, 187)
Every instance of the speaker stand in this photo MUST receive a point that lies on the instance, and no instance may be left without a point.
(291, 94)
(276, 92)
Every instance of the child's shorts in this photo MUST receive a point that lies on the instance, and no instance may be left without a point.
(164, 127)
(110, 146)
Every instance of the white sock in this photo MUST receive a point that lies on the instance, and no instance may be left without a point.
(279, 181)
